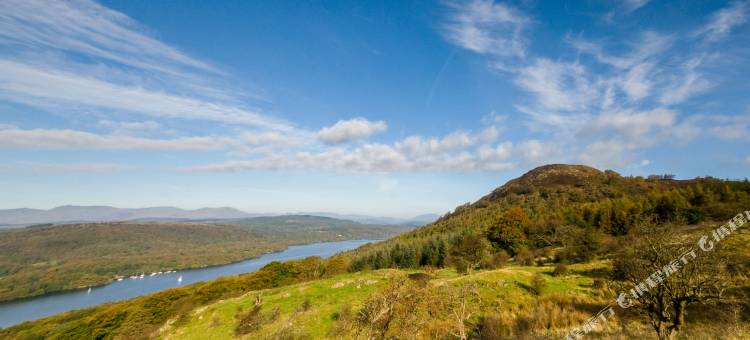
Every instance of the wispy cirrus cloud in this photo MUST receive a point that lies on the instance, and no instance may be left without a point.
(56, 139)
(50, 88)
(129, 125)
(88, 28)
(61, 168)
(64, 56)
(487, 27)
(721, 23)
(615, 96)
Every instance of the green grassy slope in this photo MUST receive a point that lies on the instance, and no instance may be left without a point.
(500, 304)
(503, 289)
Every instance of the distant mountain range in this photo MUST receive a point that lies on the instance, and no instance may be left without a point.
(416, 221)
(72, 213)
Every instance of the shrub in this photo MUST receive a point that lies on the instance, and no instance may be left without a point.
(250, 321)
(498, 260)
(494, 326)
(344, 321)
(305, 306)
(599, 284)
(560, 270)
(537, 284)
(525, 258)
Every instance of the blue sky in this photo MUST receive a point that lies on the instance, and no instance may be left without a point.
(385, 108)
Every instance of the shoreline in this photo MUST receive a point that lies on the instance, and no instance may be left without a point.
(176, 270)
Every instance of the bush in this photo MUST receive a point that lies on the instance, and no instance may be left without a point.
(525, 258)
(498, 260)
(344, 321)
(305, 306)
(599, 284)
(585, 244)
(494, 327)
(249, 322)
(537, 284)
(560, 270)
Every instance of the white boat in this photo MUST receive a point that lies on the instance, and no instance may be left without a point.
(119, 279)
(142, 275)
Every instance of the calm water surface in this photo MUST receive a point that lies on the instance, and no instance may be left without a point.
(15, 312)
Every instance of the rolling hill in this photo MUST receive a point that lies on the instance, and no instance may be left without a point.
(48, 258)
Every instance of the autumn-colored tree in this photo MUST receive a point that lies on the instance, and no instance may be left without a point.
(509, 232)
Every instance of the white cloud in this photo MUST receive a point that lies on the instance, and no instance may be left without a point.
(636, 83)
(624, 7)
(79, 140)
(725, 127)
(723, 21)
(686, 84)
(50, 88)
(632, 5)
(500, 152)
(79, 57)
(631, 123)
(537, 151)
(417, 145)
(730, 132)
(493, 118)
(350, 130)
(648, 45)
(88, 28)
(608, 153)
(144, 125)
(557, 85)
(51, 168)
(486, 27)
(489, 134)
(454, 152)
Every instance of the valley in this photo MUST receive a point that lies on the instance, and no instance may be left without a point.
(44, 259)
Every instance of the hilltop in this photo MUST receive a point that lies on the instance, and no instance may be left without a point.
(551, 176)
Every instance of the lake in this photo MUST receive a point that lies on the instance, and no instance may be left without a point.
(15, 312)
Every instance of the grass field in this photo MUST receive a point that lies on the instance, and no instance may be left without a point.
(505, 288)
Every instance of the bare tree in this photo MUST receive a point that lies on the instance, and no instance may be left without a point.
(460, 309)
(660, 272)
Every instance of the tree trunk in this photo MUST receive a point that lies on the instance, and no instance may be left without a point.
(679, 318)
